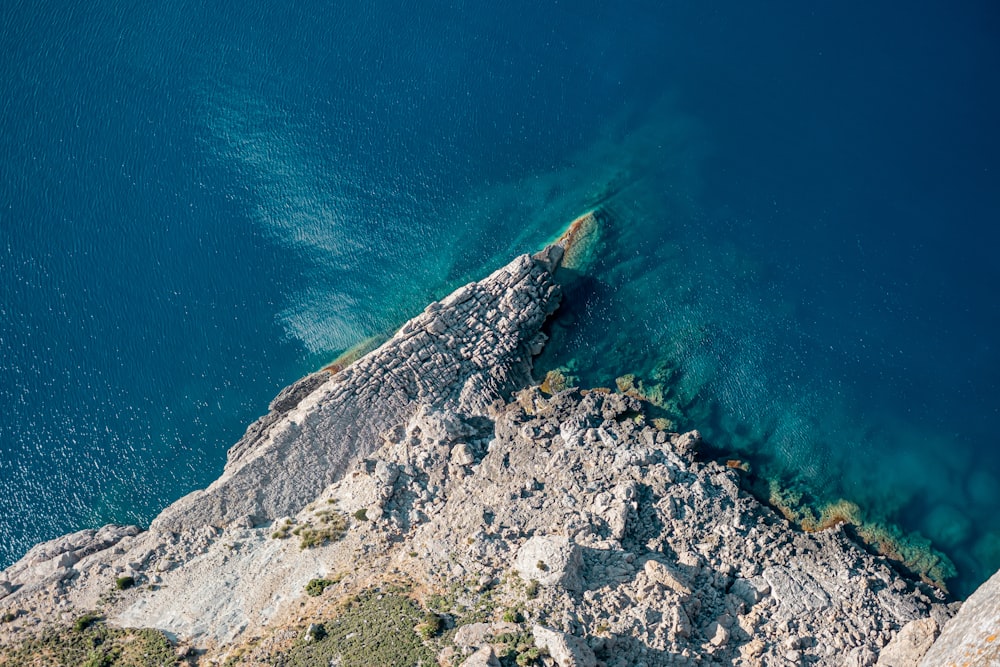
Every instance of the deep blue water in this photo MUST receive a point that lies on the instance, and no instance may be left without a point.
(198, 205)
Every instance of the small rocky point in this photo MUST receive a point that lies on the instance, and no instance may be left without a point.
(428, 505)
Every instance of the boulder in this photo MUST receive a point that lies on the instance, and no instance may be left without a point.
(566, 650)
(666, 576)
(552, 561)
(484, 657)
(472, 635)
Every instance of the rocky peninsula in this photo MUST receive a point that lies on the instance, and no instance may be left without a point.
(429, 504)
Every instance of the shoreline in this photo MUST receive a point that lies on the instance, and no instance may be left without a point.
(436, 453)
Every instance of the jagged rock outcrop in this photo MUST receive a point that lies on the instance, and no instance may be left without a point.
(685, 565)
(462, 353)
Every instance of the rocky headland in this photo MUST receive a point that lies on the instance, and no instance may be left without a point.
(429, 504)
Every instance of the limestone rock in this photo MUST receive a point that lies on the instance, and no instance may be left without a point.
(717, 634)
(484, 657)
(666, 576)
(909, 646)
(462, 354)
(566, 650)
(972, 637)
(472, 635)
(550, 560)
(461, 455)
(796, 591)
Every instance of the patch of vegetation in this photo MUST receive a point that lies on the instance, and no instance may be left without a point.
(542, 566)
(124, 583)
(315, 587)
(361, 514)
(376, 628)
(529, 657)
(517, 648)
(430, 627)
(8, 617)
(282, 531)
(330, 529)
(531, 590)
(85, 621)
(443, 603)
(512, 615)
(90, 643)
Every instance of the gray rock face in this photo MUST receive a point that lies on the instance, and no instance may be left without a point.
(972, 637)
(795, 591)
(54, 559)
(686, 569)
(462, 354)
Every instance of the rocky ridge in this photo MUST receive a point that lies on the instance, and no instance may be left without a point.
(562, 529)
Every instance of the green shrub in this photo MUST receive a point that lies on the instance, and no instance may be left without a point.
(528, 657)
(8, 617)
(85, 621)
(512, 616)
(315, 587)
(124, 583)
(512, 645)
(361, 514)
(430, 627)
(542, 566)
(531, 590)
(98, 658)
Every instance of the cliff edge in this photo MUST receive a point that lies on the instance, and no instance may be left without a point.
(428, 505)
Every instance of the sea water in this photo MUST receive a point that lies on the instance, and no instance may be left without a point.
(798, 240)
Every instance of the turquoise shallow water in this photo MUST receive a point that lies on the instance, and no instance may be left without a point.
(198, 205)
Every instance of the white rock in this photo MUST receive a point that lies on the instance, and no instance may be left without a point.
(909, 646)
(566, 650)
(462, 455)
(974, 631)
(55, 565)
(472, 635)
(484, 657)
(551, 560)
(717, 634)
(666, 576)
